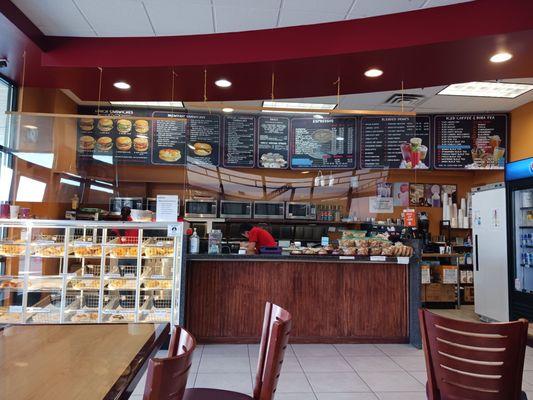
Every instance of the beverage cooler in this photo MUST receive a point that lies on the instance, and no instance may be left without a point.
(519, 177)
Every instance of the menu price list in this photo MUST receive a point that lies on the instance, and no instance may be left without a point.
(239, 141)
(322, 143)
(203, 145)
(169, 139)
(123, 140)
(273, 142)
(470, 141)
(395, 142)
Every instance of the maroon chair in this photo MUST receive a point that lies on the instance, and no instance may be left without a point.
(471, 360)
(276, 329)
(167, 377)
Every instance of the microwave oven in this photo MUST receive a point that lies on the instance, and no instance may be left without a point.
(269, 209)
(116, 204)
(235, 209)
(300, 211)
(201, 208)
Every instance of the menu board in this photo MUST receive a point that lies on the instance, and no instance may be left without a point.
(239, 141)
(470, 141)
(119, 140)
(273, 142)
(395, 142)
(203, 146)
(169, 139)
(326, 143)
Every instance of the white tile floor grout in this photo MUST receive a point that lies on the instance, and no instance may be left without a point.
(322, 371)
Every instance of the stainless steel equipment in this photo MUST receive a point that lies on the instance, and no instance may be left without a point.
(300, 211)
(269, 209)
(235, 209)
(116, 204)
(201, 208)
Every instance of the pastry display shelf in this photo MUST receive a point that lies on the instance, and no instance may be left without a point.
(85, 272)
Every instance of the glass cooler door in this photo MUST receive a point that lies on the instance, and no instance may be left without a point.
(523, 233)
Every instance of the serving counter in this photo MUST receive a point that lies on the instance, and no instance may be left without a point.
(332, 299)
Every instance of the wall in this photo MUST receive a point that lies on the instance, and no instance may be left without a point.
(521, 143)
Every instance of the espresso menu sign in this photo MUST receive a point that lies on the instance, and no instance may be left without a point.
(169, 139)
(395, 142)
(470, 141)
(115, 140)
(326, 143)
(273, 142)
(239, 141)
(203, 133)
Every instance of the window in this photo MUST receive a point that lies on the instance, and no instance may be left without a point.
(6, 104)
(30, 190)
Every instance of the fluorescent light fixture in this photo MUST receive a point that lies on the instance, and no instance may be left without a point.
(30, 127)
(6, 177)
(373, 73)
(30, 190)
(43, 159)
(101, 189)
(487, 89)
(104, 159)
(340, 138)
(69, 182)
(501, 57)
(223, 83)
(305, 172)
(173, 104)
(298, 106)
(122, 85)
(318, 116)
(228, 110)
(103, 183)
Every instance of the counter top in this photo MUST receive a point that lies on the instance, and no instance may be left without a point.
(296, 258)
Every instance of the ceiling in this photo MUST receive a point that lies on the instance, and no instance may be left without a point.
(430, 104)
(103, 18)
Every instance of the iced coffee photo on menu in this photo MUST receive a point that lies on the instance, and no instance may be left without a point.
(414, 154)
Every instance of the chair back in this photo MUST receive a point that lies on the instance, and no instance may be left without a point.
(470, 360)
(274, 339)
(167, 377)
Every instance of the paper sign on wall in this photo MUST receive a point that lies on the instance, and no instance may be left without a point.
(382, 205)
(167, 208)
(409, 217)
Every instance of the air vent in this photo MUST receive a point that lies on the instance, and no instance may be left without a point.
(408, 99)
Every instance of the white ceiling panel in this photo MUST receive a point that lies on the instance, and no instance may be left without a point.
(117, 17)
(330, 6)
(55, 18)
(440, 3)
(299, 17)
(372, 8)
(189, 17)
(181, 17)
(233, 19)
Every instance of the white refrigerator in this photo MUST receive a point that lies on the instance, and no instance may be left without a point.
(489, 229)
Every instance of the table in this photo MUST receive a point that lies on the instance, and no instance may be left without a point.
(76, 362)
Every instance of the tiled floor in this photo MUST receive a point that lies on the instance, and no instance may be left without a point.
(323, 372)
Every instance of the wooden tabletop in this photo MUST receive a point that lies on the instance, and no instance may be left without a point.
(75, 362)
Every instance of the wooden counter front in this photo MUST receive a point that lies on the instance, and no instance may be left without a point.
(330, 302)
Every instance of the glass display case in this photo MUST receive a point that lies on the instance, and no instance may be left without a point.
(89, 272)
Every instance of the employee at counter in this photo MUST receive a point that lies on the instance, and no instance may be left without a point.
(257, 238)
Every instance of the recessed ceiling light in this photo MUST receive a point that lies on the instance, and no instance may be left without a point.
(122, 85)
(318, 116)
(223, 83)
(30, 127)
(175, 104)
(487, 89)
(373, 73)
(297, 106)
(228, 109)
(501, 57)
(339, 138)
(305, 172)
